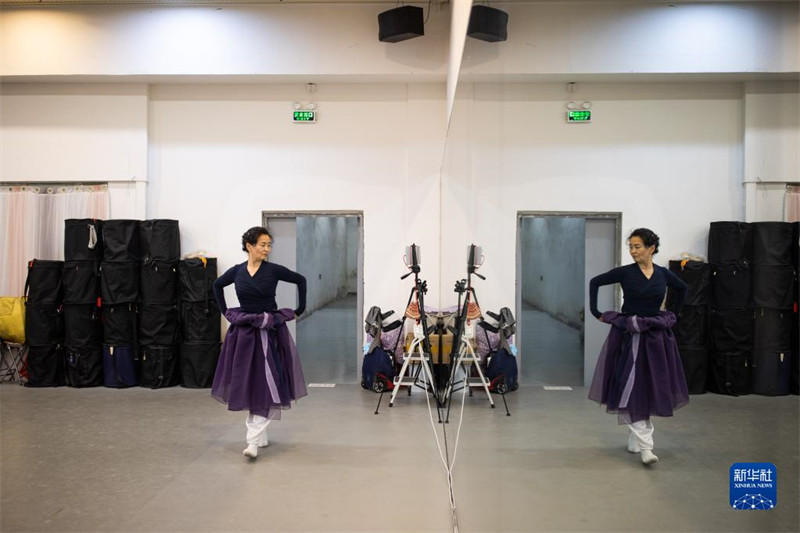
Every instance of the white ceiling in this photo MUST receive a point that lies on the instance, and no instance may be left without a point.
(382, 2)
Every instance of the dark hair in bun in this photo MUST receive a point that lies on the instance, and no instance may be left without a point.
(648, 237)
(252, 235)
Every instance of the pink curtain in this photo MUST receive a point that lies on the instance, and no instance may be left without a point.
(32, 221)
(791, 204)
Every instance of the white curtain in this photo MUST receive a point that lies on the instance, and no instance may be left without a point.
(32, 221)
(791, 204)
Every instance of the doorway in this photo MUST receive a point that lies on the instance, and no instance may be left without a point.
(557, 255)
(326, 248)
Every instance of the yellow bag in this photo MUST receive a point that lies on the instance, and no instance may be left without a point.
(12, 318)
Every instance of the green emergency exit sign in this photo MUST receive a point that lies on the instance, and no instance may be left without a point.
(579, 116)
(304, 116)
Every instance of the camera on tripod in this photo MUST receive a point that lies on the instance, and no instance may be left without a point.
(474, 253)
(413, 257)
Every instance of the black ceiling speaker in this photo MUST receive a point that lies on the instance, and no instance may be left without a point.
(400, 24)
(488, 24)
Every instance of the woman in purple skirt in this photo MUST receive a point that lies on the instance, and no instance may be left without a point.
(639, 372)
(258, 369)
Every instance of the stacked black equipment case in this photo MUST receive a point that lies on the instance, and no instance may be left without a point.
(774, 291)
(44, 323)
(119, 288)
(200, 320)
(83, 333)
(691, 330)
(158, 312)
(730, 251)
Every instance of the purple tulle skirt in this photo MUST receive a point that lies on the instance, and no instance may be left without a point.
(639, 372)
(258, 368)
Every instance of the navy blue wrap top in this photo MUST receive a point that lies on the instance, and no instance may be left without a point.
(257, 293)
(642, 296)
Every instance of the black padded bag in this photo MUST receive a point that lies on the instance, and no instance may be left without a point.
(200, 322)
(160, 240)
(121, 240)
(771, 372)
(772, 329)
(198, 363)
(82, 325)
(44, 324)
(772, 243)
(119, 324)
(119, 281)
(196, 279)
(377, 370)
(794, 385)
(81, 282)
(691, 329)
(45, 366)
(729, 373)
(159, 282)
(158, 366)
(120, 366)
(731, 330)
(794, 381)
(730, 286)
(158, 324)
(695, 368)
(774, 286)
(730, 242)
(84, 366)
(44, 281)
(83, 239)
(697, 276)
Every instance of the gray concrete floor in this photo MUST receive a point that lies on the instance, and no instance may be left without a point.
(551, 351)
(140, 460)
(106, 460)
(327, 341)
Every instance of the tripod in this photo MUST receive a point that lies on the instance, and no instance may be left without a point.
(462, 337)
(419, 351)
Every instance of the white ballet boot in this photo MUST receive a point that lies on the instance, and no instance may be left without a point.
(251, 451)
(256, 434)
(648, 457)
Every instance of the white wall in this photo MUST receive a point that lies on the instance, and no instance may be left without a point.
(221, 155)
(666, 156)
(772, 131)
(73, 132)
(772, 147)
